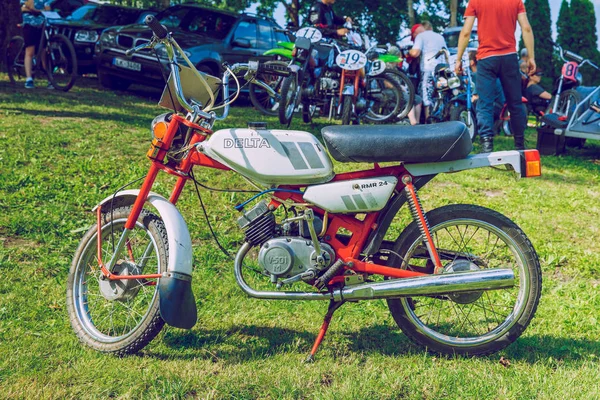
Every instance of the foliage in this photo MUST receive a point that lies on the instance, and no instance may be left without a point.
(584, 37)
(564, 26)
(61, 153)
(538, 13)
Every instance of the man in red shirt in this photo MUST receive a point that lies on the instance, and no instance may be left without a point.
(497, 58)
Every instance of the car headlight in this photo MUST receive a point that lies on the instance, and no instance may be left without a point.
(163, 55)
(86, 36)
(108, 39)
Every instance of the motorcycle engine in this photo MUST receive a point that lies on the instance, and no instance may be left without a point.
(329, 83)
(285, 251)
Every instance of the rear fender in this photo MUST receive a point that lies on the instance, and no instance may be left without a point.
(177, 304)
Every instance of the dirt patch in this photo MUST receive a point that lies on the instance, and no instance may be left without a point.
(9, 242)
(493, 193)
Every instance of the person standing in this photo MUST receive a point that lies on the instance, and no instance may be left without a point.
(321, 16)
(427, 44)
(497, 58)
(32, 33)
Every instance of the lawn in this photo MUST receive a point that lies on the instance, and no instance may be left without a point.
(61, 153)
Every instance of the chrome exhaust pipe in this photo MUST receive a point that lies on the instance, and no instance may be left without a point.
(458, 282)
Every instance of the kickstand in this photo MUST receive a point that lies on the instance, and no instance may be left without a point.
(333, 305)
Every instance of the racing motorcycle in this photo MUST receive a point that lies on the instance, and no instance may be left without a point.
(460, 279)
(447, 86)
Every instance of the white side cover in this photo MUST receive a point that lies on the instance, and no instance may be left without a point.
(180, 243)
(271, 157)
(358, 195)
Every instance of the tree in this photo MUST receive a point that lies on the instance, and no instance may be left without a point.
(564, 26)
(9, 18)
(538, 12)
(584, 37)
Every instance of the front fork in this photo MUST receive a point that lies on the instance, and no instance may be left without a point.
(129, 225)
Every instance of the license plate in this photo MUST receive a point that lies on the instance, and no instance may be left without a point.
(119, 62)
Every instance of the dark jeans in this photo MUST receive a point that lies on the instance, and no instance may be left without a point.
(507, 69)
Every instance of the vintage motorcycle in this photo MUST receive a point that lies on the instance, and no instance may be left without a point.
(459, 279)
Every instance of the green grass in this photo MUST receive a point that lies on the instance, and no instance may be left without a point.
(61, 153)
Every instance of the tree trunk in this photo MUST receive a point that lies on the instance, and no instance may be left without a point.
(293, 10)
(453, 12)
(9, 18)
(411, 13)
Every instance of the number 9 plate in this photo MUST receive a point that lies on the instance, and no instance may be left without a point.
(351, 60)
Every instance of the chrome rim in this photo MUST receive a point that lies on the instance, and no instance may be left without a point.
(473, 320)
(290, 100)
(108, 320)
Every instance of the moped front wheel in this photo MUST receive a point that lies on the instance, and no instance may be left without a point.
(468, 238)
(290, 91)
(121, 316)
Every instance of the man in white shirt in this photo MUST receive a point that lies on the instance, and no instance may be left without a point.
(427, 45)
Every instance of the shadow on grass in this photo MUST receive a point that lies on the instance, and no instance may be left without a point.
(241, 344)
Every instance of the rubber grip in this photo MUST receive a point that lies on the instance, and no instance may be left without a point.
(574, 56)
(159, 30)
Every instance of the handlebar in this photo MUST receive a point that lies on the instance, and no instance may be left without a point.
(159, 30)
(195, 110)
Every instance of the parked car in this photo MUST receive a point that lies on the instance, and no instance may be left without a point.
(209, 37)
(84, 26)
(451, 36)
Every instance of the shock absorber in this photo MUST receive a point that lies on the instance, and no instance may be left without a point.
(422, 222)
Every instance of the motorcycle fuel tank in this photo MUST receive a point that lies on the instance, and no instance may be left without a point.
(353, 196)
(271, 157)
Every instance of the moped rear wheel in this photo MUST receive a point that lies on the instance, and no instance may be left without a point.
(119, 317)
(468, 238)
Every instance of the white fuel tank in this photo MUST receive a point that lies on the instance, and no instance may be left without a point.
(270, 156)
(353, 196)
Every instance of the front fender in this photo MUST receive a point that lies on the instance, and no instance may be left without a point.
(177, 304)
(285, 53)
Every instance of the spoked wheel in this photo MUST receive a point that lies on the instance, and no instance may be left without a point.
(260, 98)
(469, 238)
(290, 92)
(384, 97)
(15, 60)
(407, 91)
(460, 113)
(122, 316)
(347, 110)
(61, 62)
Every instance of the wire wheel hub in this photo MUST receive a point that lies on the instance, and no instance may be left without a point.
(463, 266)
(123, 289)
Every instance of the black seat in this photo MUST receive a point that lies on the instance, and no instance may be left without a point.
(555, 121)
(446, 141)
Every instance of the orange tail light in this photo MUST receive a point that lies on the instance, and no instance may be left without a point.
(531, 165)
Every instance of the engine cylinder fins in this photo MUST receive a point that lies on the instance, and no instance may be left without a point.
(258, 224)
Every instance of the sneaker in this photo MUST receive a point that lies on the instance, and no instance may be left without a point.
(50, 86)
(29, 84)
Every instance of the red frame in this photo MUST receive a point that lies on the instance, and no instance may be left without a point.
(359, 228)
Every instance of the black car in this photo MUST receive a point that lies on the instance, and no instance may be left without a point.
(84, 26)
(209, 37)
